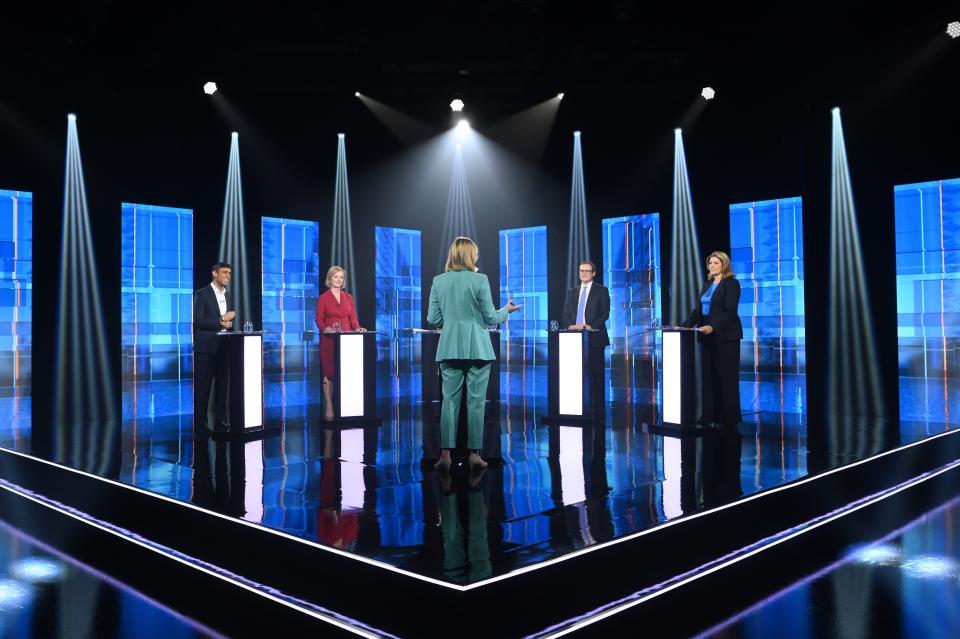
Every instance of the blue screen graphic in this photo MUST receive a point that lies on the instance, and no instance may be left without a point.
(766, 251)
(16, 287)
(156, 292)
(290, 288)
(399, 297)
(928, 299)
(631, 272)
(523, 279)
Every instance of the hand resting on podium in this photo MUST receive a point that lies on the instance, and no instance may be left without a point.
(226, 320)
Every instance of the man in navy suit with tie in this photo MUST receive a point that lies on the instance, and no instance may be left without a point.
(588, 306)
(212, 313)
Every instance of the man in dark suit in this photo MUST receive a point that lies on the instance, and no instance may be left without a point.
(212, 312)
(588, 306)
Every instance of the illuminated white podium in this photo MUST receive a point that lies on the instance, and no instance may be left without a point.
(679, 408)
(245, 396)
(568, 375)
(355, 382)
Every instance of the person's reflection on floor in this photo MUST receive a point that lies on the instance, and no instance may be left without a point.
(335, 526)
(219, 470)
(464, 560)
(721, 468)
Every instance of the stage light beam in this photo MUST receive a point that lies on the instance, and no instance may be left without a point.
(457, 105)
(708, 93)
(854, 388)
(458, 218)
(210, 88)
(685, 263)
(341, 240)
(578, 242)
(233, 236)
(953, 29)
(85, 405)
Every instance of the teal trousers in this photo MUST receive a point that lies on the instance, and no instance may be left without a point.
(455, 372)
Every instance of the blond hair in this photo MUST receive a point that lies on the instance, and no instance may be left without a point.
(463, 255)
(725, 270)
(333, 271)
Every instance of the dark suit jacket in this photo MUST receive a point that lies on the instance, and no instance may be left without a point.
(596, 313)
(723, 315)
(206, 319)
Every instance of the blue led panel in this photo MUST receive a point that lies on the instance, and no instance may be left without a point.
(290, 287)
(156, 292)
(523, 279)
(928, 299)
(399, 297)
(16, 287)
(631, 272)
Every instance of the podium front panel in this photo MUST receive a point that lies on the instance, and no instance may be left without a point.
(351, 376)
(570, 352)
(672, 375)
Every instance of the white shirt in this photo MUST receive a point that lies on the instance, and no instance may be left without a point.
(221, 294)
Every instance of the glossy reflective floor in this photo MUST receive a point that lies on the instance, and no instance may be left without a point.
(560, 487)
(906, 584)
(44, 593)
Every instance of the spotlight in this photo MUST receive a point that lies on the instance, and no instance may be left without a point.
(576, 134)
(234, 135)
(953, 29)
(357, 94)
(210, 88)
(456, 105)
(72, 117)
(37, 570)
(463, 127)
(835, 110)
(341, 135)
(559, 96)
(708, 93)
(677, 131)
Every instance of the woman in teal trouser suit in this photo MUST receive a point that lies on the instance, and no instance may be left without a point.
(460, 304)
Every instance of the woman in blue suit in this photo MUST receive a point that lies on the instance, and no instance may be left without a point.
(720, 335)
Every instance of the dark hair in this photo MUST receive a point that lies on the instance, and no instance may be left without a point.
(592, 265)
(219, 265)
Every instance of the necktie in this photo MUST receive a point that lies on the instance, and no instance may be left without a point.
(581, 307)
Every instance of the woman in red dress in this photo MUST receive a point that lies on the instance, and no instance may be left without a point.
(334, 308)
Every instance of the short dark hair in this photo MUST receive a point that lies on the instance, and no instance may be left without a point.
(592, 265)
(219, 265)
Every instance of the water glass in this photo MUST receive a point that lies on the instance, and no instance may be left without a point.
(336, 327)
(554, 326)
(248, 327)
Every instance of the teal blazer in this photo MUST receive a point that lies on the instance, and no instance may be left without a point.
(461, 306)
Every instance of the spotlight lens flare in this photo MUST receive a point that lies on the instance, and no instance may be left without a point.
(576, 134)
(234, 135)
(559, 96)
(708, 93)
(210, 88)
(953, 29)
(357, 94)
(37, 570)
(71, 117)
(931, 567)
(13, 594)
(881, 555)
(457, 105)
(463, 127)
(341, 135)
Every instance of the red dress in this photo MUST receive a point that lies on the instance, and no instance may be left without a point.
(329, 312)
